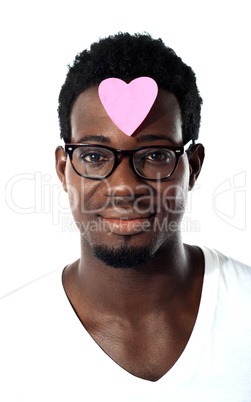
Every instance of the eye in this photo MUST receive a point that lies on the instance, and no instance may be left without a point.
(157, 156)
(93, 157)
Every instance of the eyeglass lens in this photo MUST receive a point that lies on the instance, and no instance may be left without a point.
(154, 163)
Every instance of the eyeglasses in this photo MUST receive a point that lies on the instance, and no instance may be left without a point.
(97, 162)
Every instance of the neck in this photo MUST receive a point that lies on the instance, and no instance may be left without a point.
(124, 291)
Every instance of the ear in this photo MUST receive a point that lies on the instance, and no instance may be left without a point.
(60, 165)
(196, 157)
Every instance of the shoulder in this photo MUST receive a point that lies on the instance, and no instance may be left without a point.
(33, 318)
(234, 277)
(33, 285)
(30, 299)
(226, 263)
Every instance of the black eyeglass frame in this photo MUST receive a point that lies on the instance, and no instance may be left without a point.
(178, 150)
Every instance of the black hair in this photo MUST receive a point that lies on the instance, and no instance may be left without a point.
(128, 57)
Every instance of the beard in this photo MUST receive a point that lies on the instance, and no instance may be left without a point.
(123, 257)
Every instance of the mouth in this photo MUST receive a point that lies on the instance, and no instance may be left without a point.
(127, 224)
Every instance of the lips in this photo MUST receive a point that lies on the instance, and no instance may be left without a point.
(125, 216)
(126, 224)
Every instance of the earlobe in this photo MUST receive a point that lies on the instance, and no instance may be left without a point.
(60, 165)
(196, 159)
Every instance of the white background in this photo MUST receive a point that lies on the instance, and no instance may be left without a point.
(38, 40)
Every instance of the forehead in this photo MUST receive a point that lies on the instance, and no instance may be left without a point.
(89, 117)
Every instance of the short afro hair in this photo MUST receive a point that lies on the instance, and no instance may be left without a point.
(127, 57)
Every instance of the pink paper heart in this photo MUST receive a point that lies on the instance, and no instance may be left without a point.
(128, 104)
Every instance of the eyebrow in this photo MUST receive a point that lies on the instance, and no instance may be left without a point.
(96, 138)
(154, 137)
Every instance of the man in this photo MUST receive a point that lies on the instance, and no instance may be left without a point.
(157, 320)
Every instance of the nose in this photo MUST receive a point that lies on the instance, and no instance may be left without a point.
(124, 182)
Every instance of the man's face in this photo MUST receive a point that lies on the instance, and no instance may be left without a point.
(125, 212)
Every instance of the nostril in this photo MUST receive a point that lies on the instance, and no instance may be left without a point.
(137, 200)
(130, 191)
(122, 190)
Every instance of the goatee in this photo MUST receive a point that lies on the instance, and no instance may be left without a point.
(123, 257)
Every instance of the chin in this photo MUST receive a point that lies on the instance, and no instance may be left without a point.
(123, 257)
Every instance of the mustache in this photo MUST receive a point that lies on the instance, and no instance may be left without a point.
(124, 203)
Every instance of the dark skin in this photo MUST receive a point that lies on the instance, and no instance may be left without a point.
(141, 318)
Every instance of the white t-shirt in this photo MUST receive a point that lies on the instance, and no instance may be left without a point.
(47, 355)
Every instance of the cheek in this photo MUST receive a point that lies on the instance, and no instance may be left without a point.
(76, 192)
(85, 196)
(174, 198)
(74, 196)
(174, 192)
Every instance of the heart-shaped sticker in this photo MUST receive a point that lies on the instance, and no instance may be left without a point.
(128, 104)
